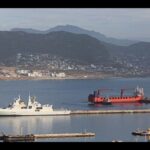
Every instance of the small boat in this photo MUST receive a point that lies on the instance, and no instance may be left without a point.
(107, 101)
(146, 100)
(142, 133)
(18, 138)
(33, 108)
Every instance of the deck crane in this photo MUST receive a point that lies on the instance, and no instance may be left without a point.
(124, 89)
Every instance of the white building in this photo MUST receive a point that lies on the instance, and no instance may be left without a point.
(35, 74)
(61, 75)
(24, 72)
(58, 75)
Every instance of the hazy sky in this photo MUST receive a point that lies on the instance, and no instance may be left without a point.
(120, 23)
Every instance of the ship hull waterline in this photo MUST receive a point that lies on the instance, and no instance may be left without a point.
(116, 100)
(30, 113)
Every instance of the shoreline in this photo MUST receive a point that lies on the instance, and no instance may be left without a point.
(72, 78)
(69, 77)
(9, 73)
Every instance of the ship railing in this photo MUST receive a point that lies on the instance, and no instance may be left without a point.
(47, 105)
(63, 109)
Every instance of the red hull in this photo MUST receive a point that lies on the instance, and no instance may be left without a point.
(137, 96)
(128, 99)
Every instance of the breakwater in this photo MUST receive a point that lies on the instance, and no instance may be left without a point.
(32, 137)
(82, 112)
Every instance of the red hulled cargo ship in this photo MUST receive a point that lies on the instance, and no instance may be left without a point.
(137, 96)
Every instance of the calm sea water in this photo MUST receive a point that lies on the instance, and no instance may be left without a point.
(72, 94)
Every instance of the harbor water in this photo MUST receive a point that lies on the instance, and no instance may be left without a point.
(73, 95)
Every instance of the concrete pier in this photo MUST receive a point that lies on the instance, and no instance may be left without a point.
(32, 137)
(65, 135)
(84, 112)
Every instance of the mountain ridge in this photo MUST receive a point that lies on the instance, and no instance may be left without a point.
(68, 45)
(79, 30)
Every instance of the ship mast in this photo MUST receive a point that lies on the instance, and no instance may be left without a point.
(29, 100)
